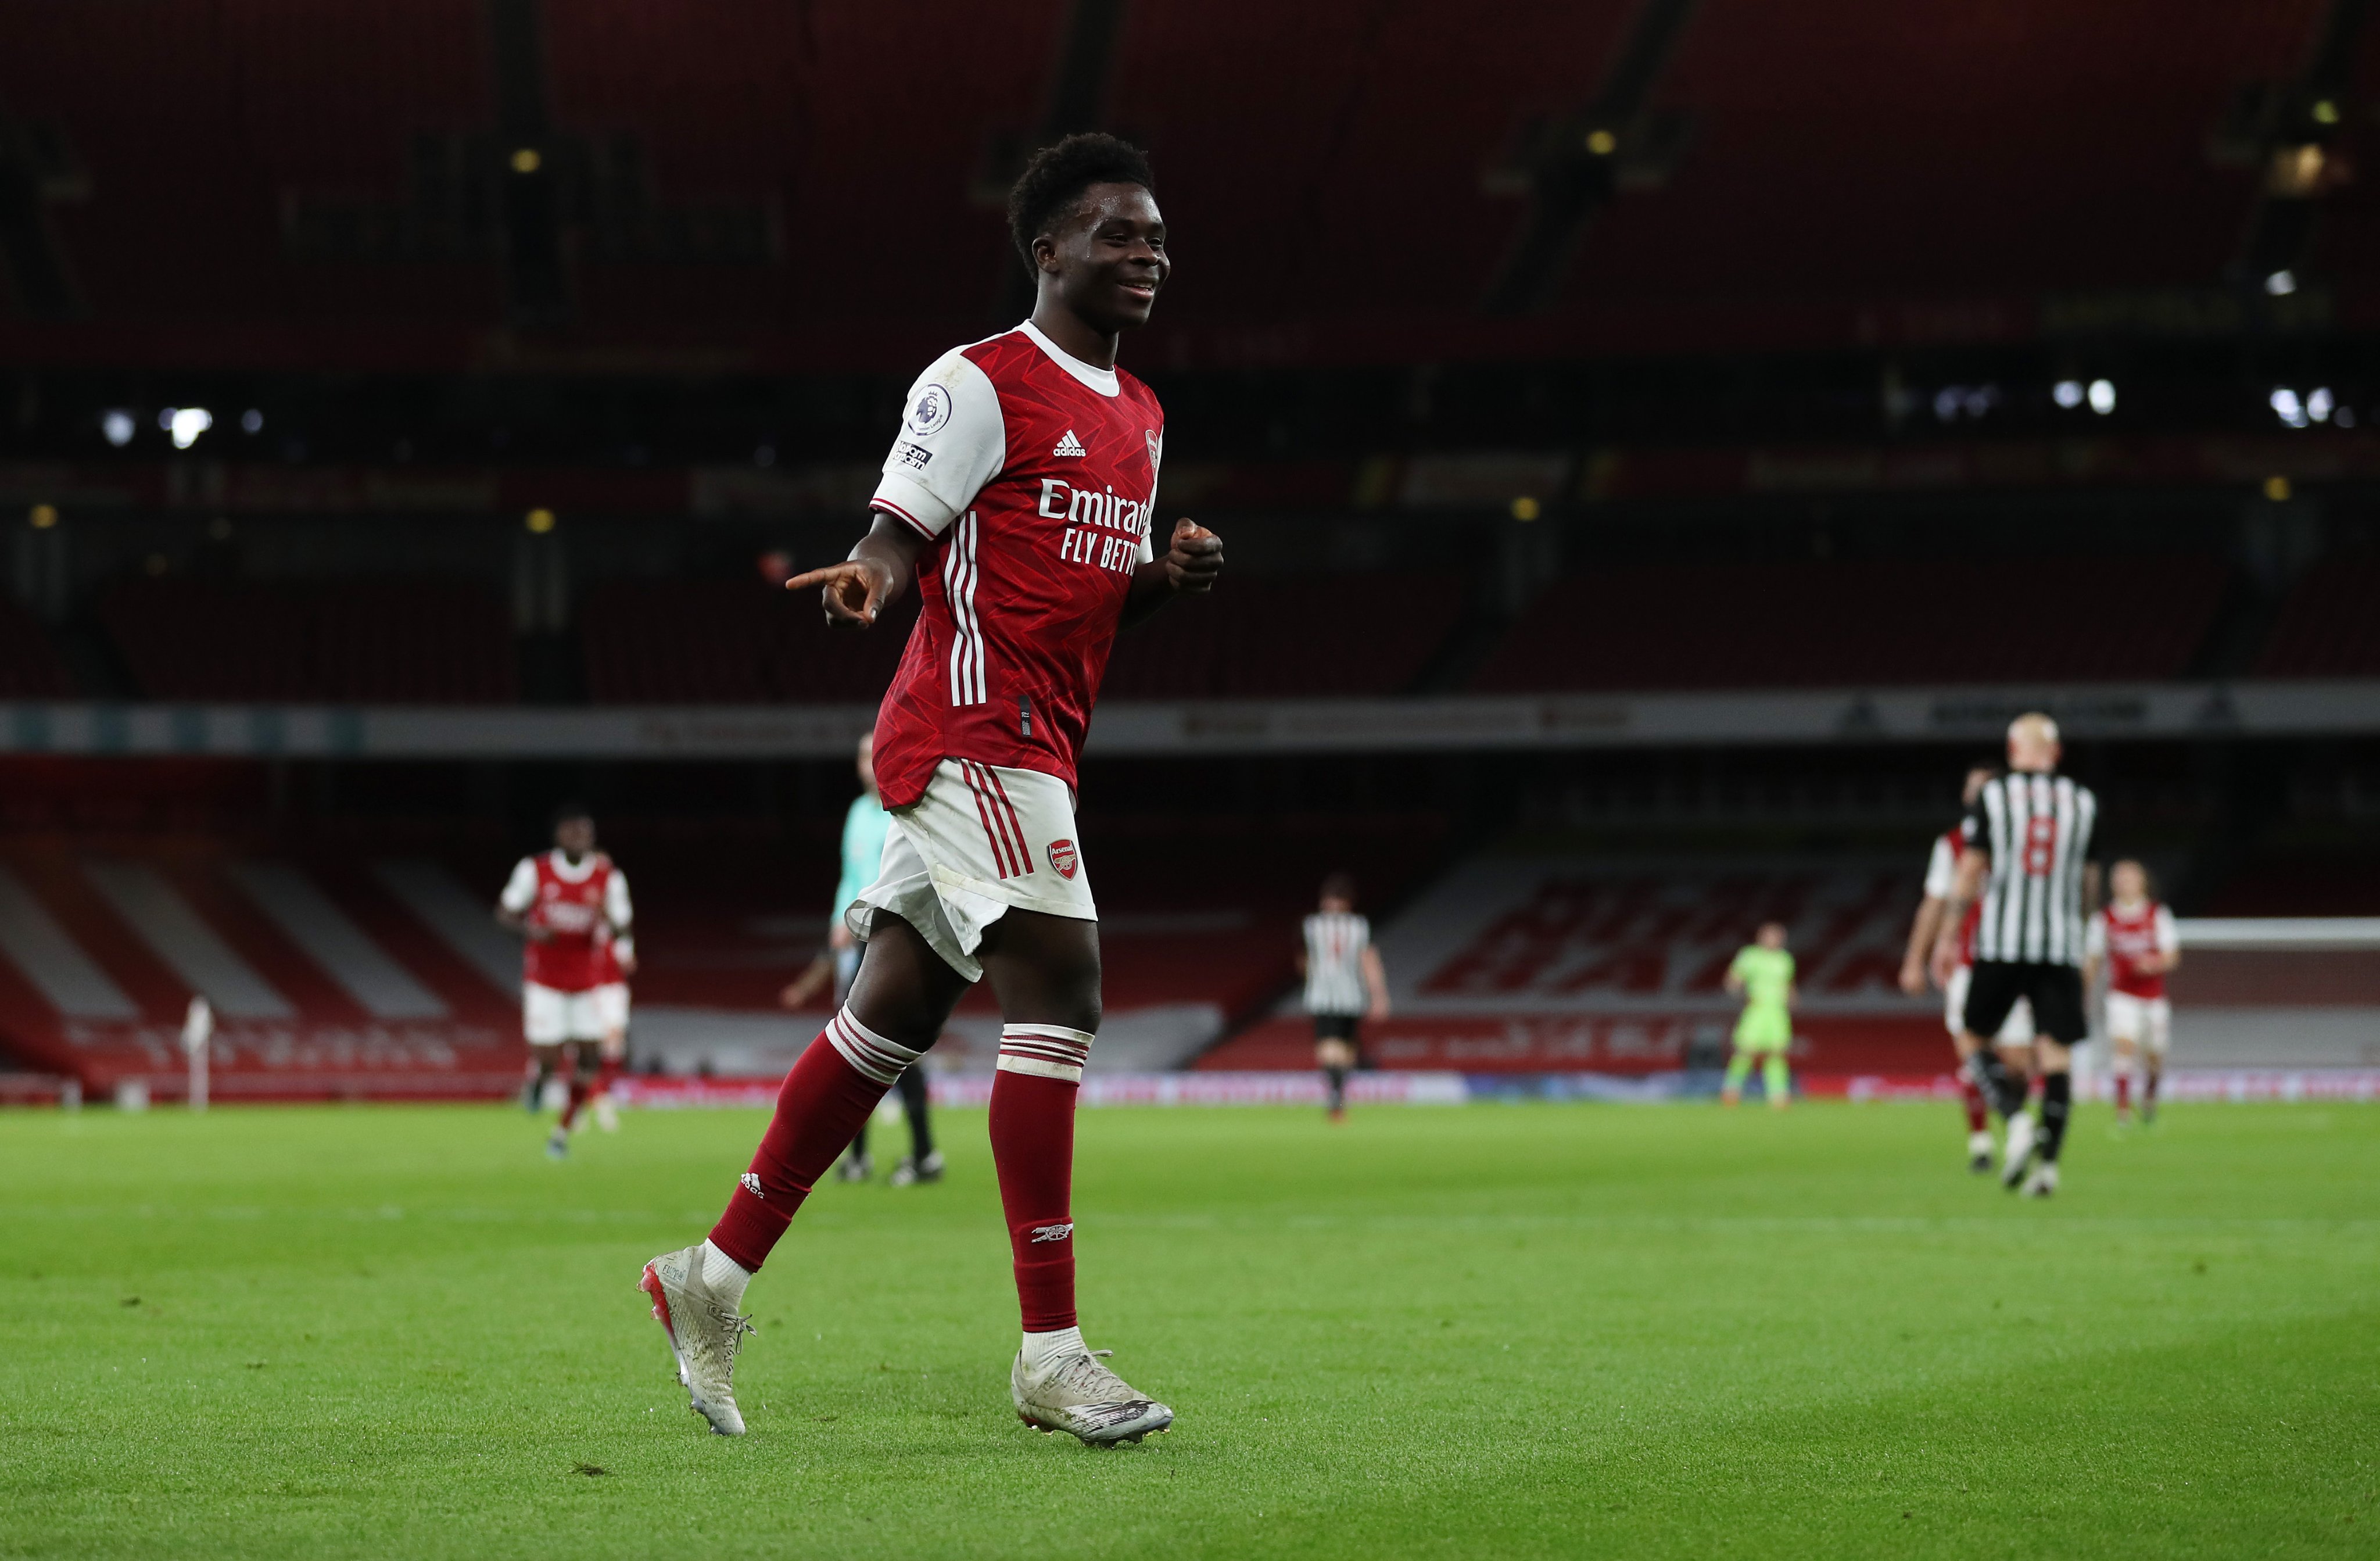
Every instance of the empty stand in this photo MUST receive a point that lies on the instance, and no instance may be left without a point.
(731, 642)
(1863, 622)
(2327, 626)
(391, 641)
(331, 162)
(30, 667)
(1270, 637)
(322, 982)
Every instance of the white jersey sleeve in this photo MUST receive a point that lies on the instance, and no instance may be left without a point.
(2095, 937)
(953, 441)
(520, 890)
(1148, 541)
(2168, 936)
(616, 909)
(1941, 870)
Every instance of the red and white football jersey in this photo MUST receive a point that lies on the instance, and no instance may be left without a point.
(2125, 937)
(1942, 876)
(581, 906)
(1034, 474)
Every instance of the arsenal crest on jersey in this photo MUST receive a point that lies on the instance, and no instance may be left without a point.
(1062, 858)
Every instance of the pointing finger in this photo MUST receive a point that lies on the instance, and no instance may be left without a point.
(818, 577)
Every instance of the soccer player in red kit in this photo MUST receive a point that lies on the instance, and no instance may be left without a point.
(2139, 943)
(571, 906)
(1019, 499)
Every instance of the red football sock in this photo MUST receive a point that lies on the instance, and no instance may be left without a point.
(578, 1099)
(829, 1093)
(1973, 1098)
(1033, 1149)
(2123, 1095)
(606, 1073)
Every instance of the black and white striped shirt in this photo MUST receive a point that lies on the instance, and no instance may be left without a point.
(2036, 829)
(1334, 962)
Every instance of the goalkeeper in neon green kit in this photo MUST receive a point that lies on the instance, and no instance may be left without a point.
(1763, 976)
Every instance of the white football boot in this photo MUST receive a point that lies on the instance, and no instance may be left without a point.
(607, 1116)
(704, 1334)
(911, 1170)
(2017, 1158)
(1081, 1396)
(2044, 1180)
(1979, 1152)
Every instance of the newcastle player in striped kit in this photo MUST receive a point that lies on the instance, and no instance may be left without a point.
(1345, 984)
(2028, 835)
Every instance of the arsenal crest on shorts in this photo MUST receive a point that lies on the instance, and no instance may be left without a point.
(1061, 857)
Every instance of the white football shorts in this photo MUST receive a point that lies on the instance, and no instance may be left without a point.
(550, 1017)
(2147, 1021)
(981, 840)
(2016, 1031)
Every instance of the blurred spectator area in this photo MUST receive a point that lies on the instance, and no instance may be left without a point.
(2327, 625)
(731, 642)
(30, 667)
(379, 640)
(1266, 637)
(1856, 622)
(334, 160)
(728, 642)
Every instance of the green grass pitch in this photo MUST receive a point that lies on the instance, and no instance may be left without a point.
(1488, 1331)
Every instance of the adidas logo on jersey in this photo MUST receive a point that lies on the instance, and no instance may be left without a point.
(1069, 445)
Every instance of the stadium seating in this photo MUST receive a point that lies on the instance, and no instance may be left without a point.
(30, 667)
(389, 641)
(1856, 176)
(1869, 166)
(1270, 637)
(2327, 626)
(1860, 622)
(730, 642)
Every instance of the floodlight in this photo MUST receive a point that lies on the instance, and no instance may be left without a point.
(186, 423)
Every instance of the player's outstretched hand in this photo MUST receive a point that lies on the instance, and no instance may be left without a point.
(850, 592)
(1194, 559)
(1912, 976)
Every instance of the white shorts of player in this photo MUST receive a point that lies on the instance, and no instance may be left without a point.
(2147, 1021)
(550, 1017)
(2017, 1031)
(983, 839)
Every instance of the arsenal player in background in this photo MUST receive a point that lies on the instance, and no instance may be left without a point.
(571, 906)
(1017, 500)
(2140, 945)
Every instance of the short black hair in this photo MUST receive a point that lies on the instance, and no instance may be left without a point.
(565, 813)
(1339, 887)
(1055, 178)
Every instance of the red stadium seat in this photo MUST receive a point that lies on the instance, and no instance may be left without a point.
(2327, 627)
(30, 667)
(1866, 622)
(384, 642)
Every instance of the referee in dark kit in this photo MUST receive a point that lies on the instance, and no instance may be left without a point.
(2028, 838)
